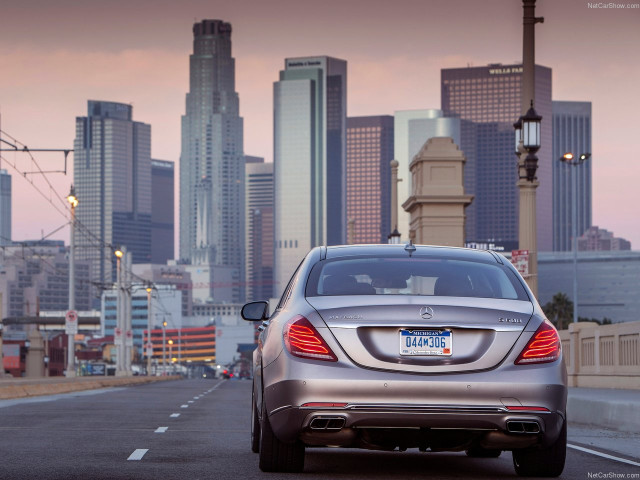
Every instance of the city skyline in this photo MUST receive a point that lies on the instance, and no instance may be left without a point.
(42, 89)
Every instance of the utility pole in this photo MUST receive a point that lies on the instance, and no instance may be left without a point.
(127, 293)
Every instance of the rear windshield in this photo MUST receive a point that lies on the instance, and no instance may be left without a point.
(413, 276)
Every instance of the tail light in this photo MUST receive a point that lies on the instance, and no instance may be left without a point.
(303, 340)
(544, 346)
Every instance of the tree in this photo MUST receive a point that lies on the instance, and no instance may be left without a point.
(559, 310)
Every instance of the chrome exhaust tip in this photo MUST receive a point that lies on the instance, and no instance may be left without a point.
(327, 423)
(523, 426)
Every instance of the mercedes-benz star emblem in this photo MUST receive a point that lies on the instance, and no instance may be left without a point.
(426, 313)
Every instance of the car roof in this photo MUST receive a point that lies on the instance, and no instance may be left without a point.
(399, 250)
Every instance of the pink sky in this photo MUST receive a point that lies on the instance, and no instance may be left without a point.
(54, 56)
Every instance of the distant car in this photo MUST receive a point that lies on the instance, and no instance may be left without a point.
(226, 374)
(395, 347)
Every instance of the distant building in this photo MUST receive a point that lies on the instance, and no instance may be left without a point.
(413, 128)
(309, 160)
(369, 153)
(571, 133)
(5, 208)
(489, 96)
(166, 306)
(259, 228)
(608, 282)
(601, 240)
(162, 211)
(167, 275)
(34, 276)
(112, 179)
(212, 160)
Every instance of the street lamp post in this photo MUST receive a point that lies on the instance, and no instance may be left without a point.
(528, 163)
(171, 354)
(73, 203)
(118, 332)
(571, 160)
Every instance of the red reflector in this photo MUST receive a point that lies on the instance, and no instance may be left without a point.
(543, 347)
(303, 340)
(527, 409)
(323, 404)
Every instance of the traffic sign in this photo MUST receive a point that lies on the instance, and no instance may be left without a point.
(520, 260)
(129, 338)
(71, 322)
(117, 336)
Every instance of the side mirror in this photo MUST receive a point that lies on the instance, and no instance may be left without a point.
(255, 311)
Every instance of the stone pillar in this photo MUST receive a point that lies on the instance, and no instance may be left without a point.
(35, 355)
(437, 201)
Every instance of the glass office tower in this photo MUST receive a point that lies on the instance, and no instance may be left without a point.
(369, 154)
(489, 96)
(259, 234)
(571, 133)
(112, 179)
(309, 160)
(162, 211)
(212, 161)
(5, 208)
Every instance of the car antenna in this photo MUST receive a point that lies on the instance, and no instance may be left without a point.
(410, 247)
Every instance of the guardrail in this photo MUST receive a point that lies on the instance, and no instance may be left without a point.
(606, 356)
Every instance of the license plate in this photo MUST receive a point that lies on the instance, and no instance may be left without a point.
(426, 342)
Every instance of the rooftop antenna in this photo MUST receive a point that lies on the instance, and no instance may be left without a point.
(410, 248)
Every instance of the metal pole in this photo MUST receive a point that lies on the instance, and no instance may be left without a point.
(164, 347)
(149, 313)
(574, 229)
(119, 322)
(394, 195)
(127, 290)
(71, 368)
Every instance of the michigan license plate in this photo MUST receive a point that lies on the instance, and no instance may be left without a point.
(426, 342)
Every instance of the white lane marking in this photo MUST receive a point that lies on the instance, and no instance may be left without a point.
(174, 415)
(161, 429)
(190, 401)
(604, 455)
(184, 406)
(138, 454)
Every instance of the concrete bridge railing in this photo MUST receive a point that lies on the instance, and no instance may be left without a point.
(606, 356)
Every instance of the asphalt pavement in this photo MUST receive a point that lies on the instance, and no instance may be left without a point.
(193, 429)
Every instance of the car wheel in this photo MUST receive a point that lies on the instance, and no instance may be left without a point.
(277, 456)
(547, 462)
(255, 426)
(479, 452)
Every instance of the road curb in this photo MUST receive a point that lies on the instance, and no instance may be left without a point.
(24, 388)
(605, 408)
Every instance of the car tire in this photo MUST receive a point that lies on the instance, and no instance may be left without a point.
(546, 462)
(277, 456)
(255, 425)
(479, 452)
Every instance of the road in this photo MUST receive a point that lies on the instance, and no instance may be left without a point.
(199, 429)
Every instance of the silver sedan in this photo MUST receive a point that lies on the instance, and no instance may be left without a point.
(400, 346)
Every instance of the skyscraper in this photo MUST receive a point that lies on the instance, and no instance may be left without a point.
(162, 211)
(369, 153)
(571, 133)
(490, 97)
(413, 128)
(212, 161)
(259, 224)
(309, 160)
(112, 178)
(5, 208)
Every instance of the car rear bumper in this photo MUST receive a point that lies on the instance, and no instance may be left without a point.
(370, 399)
